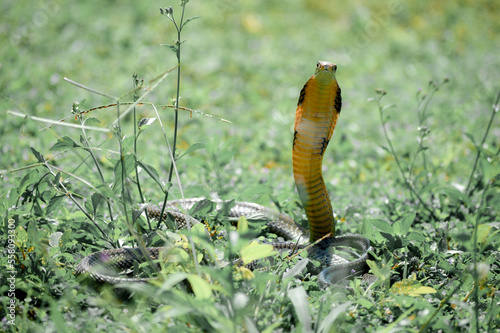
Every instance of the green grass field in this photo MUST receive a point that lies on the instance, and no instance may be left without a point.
(425, 152)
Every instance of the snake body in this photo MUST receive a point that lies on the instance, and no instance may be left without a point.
(315, 119)
(316, 116)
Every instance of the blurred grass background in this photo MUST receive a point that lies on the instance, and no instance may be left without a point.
(246, 61)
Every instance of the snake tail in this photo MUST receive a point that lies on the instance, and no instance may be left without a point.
(317, 112)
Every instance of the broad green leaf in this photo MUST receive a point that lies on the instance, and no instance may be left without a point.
(327, 323)
(65, 238)
(54, 202)
(411, 287)
(129, 163)
(423, 290)
(382, 225)
(454, 194)
(255, 251)
(54, 239)
(21, 237)
(64, 143)
(199, 229)
(366, 227)
(202, 208)
(151, 171)
(192, 148)
(298, 296)
(482, 232)
(201, 288)
(96, 199)
(402, 226)
(297, 269)
(382, 273)
(105, 191)
(127, 143)
(416, 236)
(242, 225)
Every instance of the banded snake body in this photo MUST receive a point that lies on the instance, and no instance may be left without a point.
(316, 116)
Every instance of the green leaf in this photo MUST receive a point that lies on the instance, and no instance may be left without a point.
(327, 323)
(151, 171)
(189, 20)
(255, 251)
(416, 236)
(242, 225)
(298, 296)
(54, 202)
(127, 143)
(382, 225)
(201, 288)
(92, 120)
(64, 143)
(105, 191)
(129, 163)
(144, 123)
(192, 148)
(385, 148)
(402, 226)
(21, 237)
(454, 194)
(382, 273)
(38, 156)
(172, 47)
(297, 269)
(96, 199)
(471, 138)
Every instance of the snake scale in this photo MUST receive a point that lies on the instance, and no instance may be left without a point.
(317, 112)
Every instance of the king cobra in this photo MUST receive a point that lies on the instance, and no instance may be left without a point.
(315, 119)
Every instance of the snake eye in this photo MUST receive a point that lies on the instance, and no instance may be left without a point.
(334, 67)
(318, 65)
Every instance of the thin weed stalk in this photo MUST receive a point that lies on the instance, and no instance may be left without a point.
(88, 148)
(380, 94)
(495, 109)
(137, 87)
(423, 105)
(176, 48)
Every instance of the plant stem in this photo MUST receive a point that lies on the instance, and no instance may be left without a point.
(177, 96)
(137, 179)
(393, 152)
(496, 107)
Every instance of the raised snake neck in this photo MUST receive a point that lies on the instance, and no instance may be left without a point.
(317, 113)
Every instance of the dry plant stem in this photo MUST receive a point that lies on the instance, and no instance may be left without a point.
(496, 108)
(79, 85)
(393, 152)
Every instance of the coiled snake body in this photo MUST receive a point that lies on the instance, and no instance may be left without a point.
(317, 113)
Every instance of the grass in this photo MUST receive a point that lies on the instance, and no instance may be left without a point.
(413, 163)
